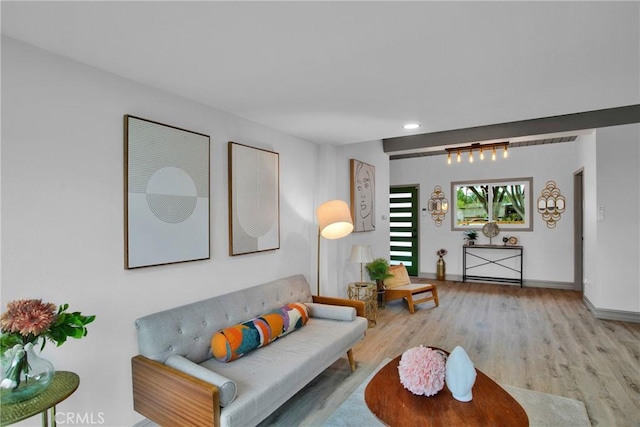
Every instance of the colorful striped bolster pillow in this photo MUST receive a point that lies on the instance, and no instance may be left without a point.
(235, 341)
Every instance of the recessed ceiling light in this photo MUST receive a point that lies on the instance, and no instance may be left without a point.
(410, 126)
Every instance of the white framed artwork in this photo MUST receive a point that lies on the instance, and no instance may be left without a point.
(254, 200)
(166, 197)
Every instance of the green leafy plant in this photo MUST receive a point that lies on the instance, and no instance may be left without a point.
(378, 269)
(471, 234)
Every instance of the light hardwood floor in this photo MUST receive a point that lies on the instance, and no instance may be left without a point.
(539, 339)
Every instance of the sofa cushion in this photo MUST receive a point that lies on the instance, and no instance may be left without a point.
(235, 341)
(332, 312)
(268, 377)
(227, 389)
(400, 276)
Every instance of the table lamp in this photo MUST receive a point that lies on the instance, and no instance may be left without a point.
(334, 222)
(363, 255)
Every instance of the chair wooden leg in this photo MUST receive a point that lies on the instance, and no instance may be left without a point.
(434, 292)
(410, 303)
(352, 362)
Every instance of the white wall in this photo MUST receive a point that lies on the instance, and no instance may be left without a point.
(617, 283)
(586, 159)
(62, 213)
(548, 253)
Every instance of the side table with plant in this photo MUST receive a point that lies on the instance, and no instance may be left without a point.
(24, 373)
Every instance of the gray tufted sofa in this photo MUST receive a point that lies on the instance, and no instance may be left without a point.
(177, 382)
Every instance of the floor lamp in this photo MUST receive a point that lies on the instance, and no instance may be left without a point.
(334, 222)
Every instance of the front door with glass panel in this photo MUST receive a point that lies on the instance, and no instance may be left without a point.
(403, 236)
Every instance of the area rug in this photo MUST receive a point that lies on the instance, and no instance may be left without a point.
(543, 410)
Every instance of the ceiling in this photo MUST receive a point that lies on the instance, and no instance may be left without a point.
(345, 72)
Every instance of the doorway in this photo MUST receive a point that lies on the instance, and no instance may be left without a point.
(578, 229)
(403, 227)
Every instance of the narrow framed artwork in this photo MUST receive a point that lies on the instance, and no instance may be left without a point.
(166, 194)
(363, 193)
(254, 200)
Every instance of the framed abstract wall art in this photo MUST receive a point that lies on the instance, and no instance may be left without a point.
(363, 191)
(254, 200)
(166, 194)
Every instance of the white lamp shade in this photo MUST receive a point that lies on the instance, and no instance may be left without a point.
(334, 219)
(361, 254)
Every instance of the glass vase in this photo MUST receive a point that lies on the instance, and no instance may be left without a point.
(24, 374)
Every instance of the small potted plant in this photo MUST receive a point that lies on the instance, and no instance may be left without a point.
(378, 270)
(471, 236)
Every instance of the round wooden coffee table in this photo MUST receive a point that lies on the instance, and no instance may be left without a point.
(394, 405)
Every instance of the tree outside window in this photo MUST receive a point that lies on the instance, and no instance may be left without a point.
(506, 202)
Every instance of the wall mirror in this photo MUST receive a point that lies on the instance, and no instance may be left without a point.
(438, 205)
(551, 204)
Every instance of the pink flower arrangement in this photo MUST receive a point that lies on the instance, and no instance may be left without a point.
(29, 318)
(26, 320)
(422, 370)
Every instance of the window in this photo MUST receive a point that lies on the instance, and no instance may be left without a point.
(507, 202)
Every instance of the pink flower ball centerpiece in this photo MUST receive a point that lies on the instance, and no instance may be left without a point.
(422, 370)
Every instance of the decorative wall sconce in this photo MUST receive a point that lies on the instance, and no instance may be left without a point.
(551, 204)
(481, 149)
(438, 205)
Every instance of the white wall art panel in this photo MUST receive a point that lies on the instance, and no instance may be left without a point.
(167, 201)
(254, 202)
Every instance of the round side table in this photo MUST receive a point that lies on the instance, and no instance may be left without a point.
(62, 386)
(367, 292)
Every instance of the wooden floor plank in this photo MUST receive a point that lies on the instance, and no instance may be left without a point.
(540, 339)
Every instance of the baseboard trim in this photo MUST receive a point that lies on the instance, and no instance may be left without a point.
(452, 277)
(567, 286)
(607, 314)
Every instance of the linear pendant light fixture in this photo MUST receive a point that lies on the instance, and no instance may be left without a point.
(480, 149)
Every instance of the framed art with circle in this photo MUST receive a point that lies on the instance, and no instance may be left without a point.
(166, 200)
(254, 200)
